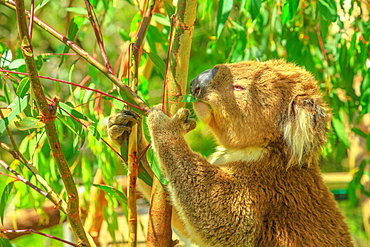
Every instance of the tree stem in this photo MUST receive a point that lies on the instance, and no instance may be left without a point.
(47, 112)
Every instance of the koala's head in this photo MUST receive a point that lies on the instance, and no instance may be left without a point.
(263, 104)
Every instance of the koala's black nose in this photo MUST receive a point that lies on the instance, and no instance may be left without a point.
(200, 83)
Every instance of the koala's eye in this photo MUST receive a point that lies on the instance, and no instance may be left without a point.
(238, 88)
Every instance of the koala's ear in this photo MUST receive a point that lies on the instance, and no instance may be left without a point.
(304, 128)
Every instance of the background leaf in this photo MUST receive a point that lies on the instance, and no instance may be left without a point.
(223, 12)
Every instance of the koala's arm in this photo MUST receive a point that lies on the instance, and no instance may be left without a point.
(198, 188)
(119, 128)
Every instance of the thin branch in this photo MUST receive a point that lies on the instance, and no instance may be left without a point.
(92, 18)
(47, 112)
(20, 178)
(133, 161)
(32, 15)
(85, 55)
(53, 196)
(74, 84)
(40, 233)
(102, 139)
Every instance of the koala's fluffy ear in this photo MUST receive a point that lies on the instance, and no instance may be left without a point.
(304, 128)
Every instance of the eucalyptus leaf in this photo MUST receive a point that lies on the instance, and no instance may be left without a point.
(152, 159)
(28, 123)
(254, 8)
(158, 62)
(4, 199)
(23, 87)
(341, 132)
(17, 106)
(189, 98)
(223, 12)
(120, 196)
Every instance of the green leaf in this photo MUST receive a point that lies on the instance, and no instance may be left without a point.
(23, 87)
(134, 25)
(328, 9)
(365, 85)
(73, 28)
(170, 9)
(77, 10)
(254, 8)
(15, 64)
(29, 123)
(4, 242)
(289, 10)
(161, 19)
(94, 132)
(41, 5)
(72, 111)
(120, 196)
(18, 105)
(355, 184)
(286, 16)
(341, 132)
(4, 199)
(359, 132)
(7, 96)
(223, 12)
(152, 159)
(158, 62)
(189, 98)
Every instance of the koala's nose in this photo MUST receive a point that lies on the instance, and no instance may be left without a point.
(200, 83)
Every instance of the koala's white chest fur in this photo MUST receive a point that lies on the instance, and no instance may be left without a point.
(223, 155)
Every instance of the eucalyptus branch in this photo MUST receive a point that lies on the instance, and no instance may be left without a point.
(25, 181)
(133, 161)
(98, 35)
(47, 112)
(74, 84)
(174, 89)
(85, 55)
(32, 14)
(51, 194)
(37, 232)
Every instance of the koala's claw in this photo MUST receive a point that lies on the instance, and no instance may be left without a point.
(182, 116)
(119, 125)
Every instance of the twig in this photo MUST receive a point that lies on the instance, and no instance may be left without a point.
(133, 162)
(52, 195)
(328, 86)
(90, 59)
(74, 84)
(102, 139)
(98, 35)
(20, 178)
(32, 14)
(47, 112)
(40, 233)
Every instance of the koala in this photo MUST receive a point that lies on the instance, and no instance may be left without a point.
(262, 186)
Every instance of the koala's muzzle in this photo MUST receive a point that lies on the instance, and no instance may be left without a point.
(200, 83)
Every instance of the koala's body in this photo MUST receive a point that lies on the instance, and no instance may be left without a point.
(263, 185)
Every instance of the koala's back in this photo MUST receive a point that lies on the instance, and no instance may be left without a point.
(265, 205)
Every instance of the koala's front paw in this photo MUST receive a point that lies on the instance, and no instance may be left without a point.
(119, 125)
(180, 122)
